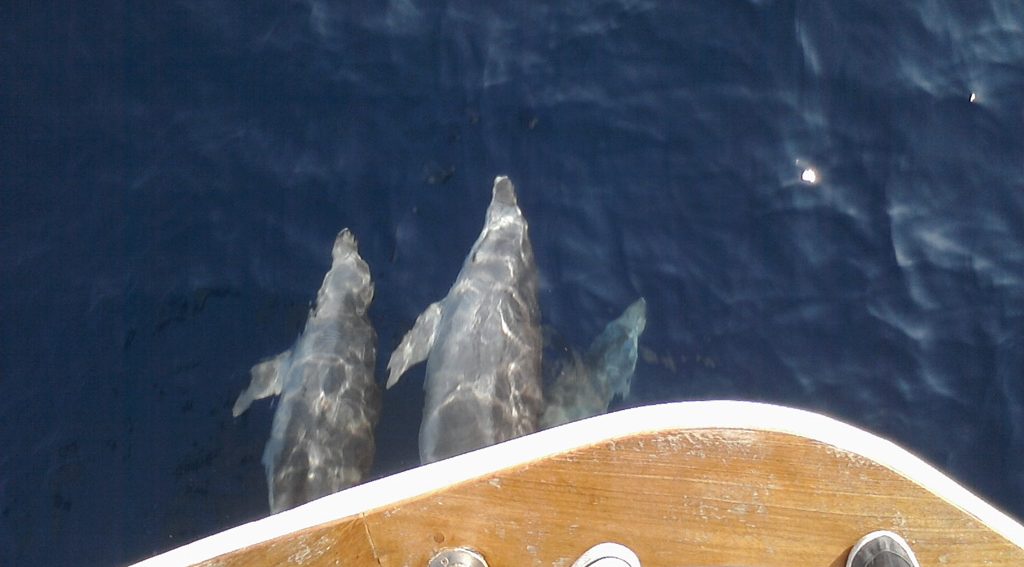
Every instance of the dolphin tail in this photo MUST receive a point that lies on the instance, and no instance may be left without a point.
(266, 381)
(415, 346)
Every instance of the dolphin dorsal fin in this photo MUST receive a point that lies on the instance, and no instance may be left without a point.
(266, 381)
(415, 346)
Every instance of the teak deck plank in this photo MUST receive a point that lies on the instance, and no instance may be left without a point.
(697, 483)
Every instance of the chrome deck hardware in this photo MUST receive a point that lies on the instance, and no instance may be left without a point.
(457, 557)
(608, 554)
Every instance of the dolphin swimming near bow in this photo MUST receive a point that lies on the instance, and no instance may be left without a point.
(482, 342)
(322, 437)
(586, 384)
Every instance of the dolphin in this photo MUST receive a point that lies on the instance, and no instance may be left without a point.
(322, 437)
(482, 342)
(586, 384)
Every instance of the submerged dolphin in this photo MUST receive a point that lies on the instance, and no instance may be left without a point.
(322, 437)
(482, 342)
(586, 385)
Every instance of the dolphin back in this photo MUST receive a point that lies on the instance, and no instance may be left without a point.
(482, 342)
(322, 439)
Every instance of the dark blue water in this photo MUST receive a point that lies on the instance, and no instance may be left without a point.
(173, 175)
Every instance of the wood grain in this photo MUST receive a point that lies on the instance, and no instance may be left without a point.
(676, 496)
(711, 497)
(343, 543)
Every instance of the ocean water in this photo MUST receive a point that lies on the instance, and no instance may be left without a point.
(172, 176)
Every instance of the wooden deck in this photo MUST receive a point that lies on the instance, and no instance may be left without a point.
(695, 483)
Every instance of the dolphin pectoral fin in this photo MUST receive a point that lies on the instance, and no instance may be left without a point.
(266, 381)
(415, 346)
